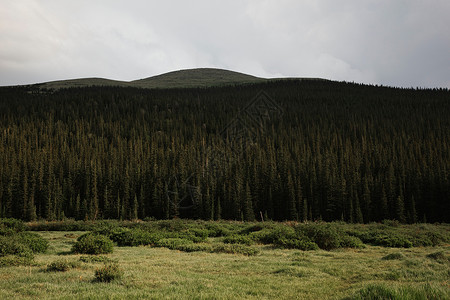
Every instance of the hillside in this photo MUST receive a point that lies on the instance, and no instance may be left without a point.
(308, 150)
(202, 77)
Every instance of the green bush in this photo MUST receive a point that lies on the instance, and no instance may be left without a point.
(108, 273)
(193, 247)
(66, 225)
(132, 237)
(326, 236)
(238, 239)
(393, 241)
(12, 224)
(12, 246)
(272, 235)
(93, 244)
(34, 241)
(216, 230)
(172, 243)
(61, 266)
(348, 241)
(298, 243)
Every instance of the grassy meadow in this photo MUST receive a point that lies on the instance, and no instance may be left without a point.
(271, 271)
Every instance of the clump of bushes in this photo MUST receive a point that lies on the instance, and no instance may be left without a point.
(301, 243)
(9, 245)
(34, 241)
(61, 266)
(173, 243)
(91, 243)
(16, 246)
(109, 272)
(238, 239)
(11, 225)
(193, 247)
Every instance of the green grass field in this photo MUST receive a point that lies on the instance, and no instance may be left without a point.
(274, 273)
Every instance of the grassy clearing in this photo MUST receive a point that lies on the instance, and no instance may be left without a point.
(157, 272)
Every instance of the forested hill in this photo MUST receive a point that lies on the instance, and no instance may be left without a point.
(201, 77)
(301, 150)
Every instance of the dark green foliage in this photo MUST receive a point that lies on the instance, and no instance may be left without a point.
(239, 239)
(13, 246)
(396, 235)
(338, 151)
(393, 256)
(348, 241)
(34, 241)
(66, 225)
(326, 236)
(301, 243)
(10, 224)
(188, 247)
(90, 243)
(109, 272)
(61, 266)
(172, 243)
(132, 237)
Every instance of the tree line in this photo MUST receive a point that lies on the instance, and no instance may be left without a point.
(338, 151)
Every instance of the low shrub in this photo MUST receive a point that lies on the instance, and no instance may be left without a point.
(93, 244)
(234, 249)
(61, 266)
(132, 237)
(12, 224)
(348, 241)
(193, 247)
(34, 241)
(272, 235)
(304, 244)
(12, 246)
(66, 225)
(393, 241)
(216, 230)
(238, 239)
(108, 273)
(172, 243)
(326, 236)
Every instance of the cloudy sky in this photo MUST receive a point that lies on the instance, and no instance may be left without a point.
(390, 42)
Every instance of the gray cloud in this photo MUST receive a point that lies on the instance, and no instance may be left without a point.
(400, 43)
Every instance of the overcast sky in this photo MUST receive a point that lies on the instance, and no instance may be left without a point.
(390, 42)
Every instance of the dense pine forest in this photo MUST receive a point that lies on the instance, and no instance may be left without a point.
(320, 150)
